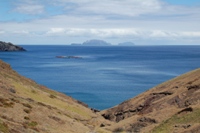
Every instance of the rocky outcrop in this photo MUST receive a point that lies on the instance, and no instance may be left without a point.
(4, 46)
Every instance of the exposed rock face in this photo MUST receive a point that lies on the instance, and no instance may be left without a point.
(10, 47)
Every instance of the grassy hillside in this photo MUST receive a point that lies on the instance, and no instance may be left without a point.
(181, 121)
(27, 107)
(173, 106)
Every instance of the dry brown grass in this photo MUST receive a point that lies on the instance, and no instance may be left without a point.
(160, 103)
(29, 107)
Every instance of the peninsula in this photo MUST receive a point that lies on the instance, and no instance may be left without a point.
(4, 46)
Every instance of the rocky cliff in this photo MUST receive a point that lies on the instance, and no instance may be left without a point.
(4, 46)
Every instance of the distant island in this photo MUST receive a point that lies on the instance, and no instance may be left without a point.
(96, 42)
(126, 44)
(4, 46)
(93, 42)
(76, 44)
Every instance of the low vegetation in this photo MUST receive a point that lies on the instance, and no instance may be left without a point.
(26, 107)
(4, 127)
(6, 103)
(179, 121)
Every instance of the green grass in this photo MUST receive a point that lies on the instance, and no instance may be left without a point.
(32, 124)
(4, 127)
(168, 125)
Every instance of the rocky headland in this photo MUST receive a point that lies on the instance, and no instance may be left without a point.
(4, 46)
(27, 107)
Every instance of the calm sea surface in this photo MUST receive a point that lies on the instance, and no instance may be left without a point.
(104, 76)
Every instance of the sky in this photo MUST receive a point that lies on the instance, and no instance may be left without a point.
(143, 22)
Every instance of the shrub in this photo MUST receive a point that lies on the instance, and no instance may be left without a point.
(27, 105)
(32, 124)
(6, 103)
(52, 96)
(26, 118)
(118, 130)
(27, 111)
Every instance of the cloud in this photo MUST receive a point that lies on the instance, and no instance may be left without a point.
(174, 34)
(55, 30)
(21, 32)
(122, 33)
(190, 34)
(2, 32)
(113, 20)
(29, 7)
(111, 7)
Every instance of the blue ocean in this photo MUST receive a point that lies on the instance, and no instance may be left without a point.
(104, 76)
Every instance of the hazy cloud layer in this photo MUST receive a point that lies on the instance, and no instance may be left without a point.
(67, 21)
